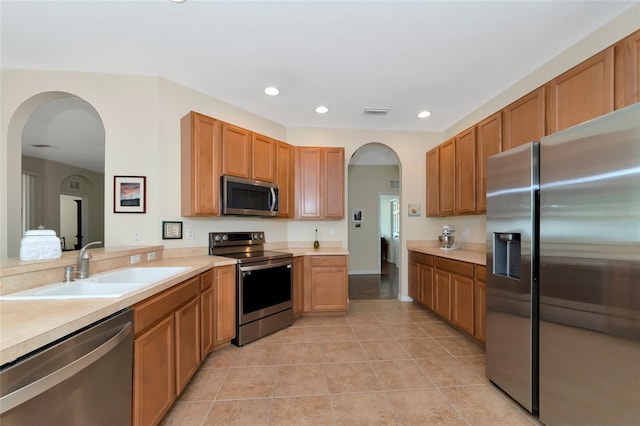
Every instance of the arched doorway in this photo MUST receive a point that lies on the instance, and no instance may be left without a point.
(374, 185)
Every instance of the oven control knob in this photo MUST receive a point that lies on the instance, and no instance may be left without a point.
(254, 237)
(261, 236)
(217, 238)
(224, 237)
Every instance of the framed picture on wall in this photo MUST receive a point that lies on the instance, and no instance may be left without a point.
(413, 210)
(129, 194)
(356, 216)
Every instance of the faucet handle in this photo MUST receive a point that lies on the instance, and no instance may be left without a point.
(68, 274)
(84, 254)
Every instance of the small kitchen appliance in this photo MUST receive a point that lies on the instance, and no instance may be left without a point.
(447, 239)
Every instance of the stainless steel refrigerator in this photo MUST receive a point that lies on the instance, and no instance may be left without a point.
(563, 273)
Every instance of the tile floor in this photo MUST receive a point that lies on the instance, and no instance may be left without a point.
(384, 363)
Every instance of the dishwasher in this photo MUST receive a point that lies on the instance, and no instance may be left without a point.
(82, 379)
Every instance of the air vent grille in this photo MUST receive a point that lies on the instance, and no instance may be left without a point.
(394, 184)
(376, 111)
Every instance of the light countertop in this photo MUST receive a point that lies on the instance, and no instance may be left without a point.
(472, 253)
(28, 325)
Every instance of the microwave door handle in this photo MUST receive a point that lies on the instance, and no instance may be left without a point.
(272, 196)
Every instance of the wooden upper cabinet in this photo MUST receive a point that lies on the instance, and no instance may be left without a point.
(447, 177)
(263, 158)
(319, 183)
(465, 172)
(627, 71)
(488, 143)
(200, 165)
(582, 93)
(284, 177)
(333, 191)
(524, 120)
(433, 182)
(236, 151)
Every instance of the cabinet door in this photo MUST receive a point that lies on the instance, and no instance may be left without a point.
(328, 289)
(333, 180)
(488, 143)
(225, 304)
(284, 178)
(632, 69)
(298, 286)
(479, 310)
(308, 182)
(463, 302)
(524, 120)
(236, 151)
(442, 294)
(200, 165)
(582, 93)
(263, 158)
(465, 172)
(433, 182)
(414, 281)
(187, 338)
(427, 280)
(154, 388)
(447, 177)
(206, 322)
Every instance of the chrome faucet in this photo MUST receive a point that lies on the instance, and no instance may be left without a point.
(83, 260)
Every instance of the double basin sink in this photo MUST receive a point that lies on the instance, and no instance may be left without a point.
(111, 284)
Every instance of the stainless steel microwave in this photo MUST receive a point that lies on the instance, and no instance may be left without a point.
(248, 197)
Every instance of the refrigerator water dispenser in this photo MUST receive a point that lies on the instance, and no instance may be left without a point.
(506, 254)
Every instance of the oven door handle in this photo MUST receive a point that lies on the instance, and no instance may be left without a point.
(271, 264)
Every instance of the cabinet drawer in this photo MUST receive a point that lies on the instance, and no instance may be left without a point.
(148, 312)
(206, 280)
(328, 261)
(481, 273)
(462, 268)
(422, 258)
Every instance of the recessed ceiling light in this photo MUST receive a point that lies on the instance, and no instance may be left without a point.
(271, 91)
(424, 114)
(322, 110)
(177, 1)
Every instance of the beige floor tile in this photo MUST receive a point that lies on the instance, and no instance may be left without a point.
(204, 385)
(460, 346)
(342, 352)
(423, 407)
(449, 371)
(437, 328)
(401, 374)
(423, 315)
(299, 411)
(246, 412)
(248, 382)
(363, 409)
(364, 318)
(475, 363)
(257, 354)
(423, 348)
(482, 405)
(299, 380)
(371, 332)
(351, 377)
(327, 334)
(331, 320)
(399, 317)
(187, 414)
(221, 358)
(405, 331)
(301, 353)
(383, 350)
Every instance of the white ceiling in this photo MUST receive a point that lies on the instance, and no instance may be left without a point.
(449, 57)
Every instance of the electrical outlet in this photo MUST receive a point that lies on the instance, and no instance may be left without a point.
(189, 234)
(137, 235)
(465, 232)
(151, 256)
(332, 231)
(135, 259)
(296, 232)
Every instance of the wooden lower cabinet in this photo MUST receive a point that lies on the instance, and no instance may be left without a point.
(225, 304)
(453, 289)
(325, 283)
(298, 286)
(173, 333)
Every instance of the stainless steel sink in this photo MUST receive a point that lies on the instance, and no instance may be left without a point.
(106, 285)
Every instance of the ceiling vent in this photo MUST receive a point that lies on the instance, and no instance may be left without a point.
(41, 146)
(376, 111)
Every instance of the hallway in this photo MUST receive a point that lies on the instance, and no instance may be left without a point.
(374, 286)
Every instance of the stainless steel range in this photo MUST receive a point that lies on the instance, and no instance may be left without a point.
(264, 283)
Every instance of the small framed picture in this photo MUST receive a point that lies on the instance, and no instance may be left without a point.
(413, 210)
(171, 230)
(356, 216)
(129, 194)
